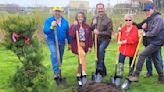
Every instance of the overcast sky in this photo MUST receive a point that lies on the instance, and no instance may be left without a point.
(54, 2)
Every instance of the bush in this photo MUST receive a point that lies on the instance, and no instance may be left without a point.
(31, 76)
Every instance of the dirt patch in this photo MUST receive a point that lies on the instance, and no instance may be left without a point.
(97, 87)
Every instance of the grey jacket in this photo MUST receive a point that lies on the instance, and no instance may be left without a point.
(155, 30)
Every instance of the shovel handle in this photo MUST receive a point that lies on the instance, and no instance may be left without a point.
(96, 47)
(57, 47)
(119, 37)
(136, 52)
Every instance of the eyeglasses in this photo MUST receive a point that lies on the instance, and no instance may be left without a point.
(128, 20)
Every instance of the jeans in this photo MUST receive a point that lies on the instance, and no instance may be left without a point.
(102, 45)
(53, 54)
(122, 59)
(149, 62)
(150, 50)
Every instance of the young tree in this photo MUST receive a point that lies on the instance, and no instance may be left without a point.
(31, 76)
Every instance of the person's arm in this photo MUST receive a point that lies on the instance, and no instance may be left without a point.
(72, 31)
(67, 34)
(156, 29)
(92, 26)
(46, 28)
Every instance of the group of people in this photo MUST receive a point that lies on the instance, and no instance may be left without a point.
(102, 27)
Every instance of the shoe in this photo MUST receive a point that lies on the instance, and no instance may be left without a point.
(147, 75)
(161, 80)
(133, 78)
(56, 76)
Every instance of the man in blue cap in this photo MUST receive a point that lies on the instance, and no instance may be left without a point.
(59, 24)
(154, 33)
(143, 25)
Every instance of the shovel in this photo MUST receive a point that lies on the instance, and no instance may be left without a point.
(59, 80)
(127, 82)
(116, 79)
(96, 77)
(82, 80)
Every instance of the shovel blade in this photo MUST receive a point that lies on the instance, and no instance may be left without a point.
(61, 82)
(112, 80)
(126, 84)
(117, 81)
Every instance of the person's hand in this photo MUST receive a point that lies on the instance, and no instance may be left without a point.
(143, 33)
(75, 22)
(53, 24)
(69, 47)
(94, 21)
(144, 26)
(122, 42)
(96, 31)
(89, 50)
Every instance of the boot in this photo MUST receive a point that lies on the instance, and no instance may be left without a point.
(134, 77)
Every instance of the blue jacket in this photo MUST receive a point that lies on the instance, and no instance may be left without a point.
(61, 30)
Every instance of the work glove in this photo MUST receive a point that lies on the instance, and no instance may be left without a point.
(53, 25)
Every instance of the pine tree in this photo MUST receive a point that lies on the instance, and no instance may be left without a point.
(31, 76)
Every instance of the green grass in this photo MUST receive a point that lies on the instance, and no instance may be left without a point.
(9, 64)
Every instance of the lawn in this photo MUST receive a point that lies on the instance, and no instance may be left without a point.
(9, 64)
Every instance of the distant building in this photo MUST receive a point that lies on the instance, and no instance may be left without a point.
(79, 4)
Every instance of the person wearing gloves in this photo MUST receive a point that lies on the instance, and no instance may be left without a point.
(155, 32)
(62, 29)
(85, 38)
(128, 43)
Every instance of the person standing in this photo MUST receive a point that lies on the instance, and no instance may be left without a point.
(102, 27)
(85, 39)
(155, 27)
(62, 29)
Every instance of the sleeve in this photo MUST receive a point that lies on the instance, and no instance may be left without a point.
(139, 25)
(46, 28)
(92, 27)
(156, 28)
(67, 34)
(133, 38)
(72, 32)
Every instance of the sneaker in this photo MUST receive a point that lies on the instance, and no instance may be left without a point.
(133, 78)
(147, 75)
(56, 76)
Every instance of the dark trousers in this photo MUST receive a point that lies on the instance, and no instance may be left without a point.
(122, 59)
(150, 50)
(149, 62)
(101, 68)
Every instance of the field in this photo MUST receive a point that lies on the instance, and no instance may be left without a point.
(9, 63)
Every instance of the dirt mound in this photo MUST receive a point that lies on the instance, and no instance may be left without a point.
(98, 87)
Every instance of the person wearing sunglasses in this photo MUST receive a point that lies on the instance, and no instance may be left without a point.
(154, 33)
(128, 43)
